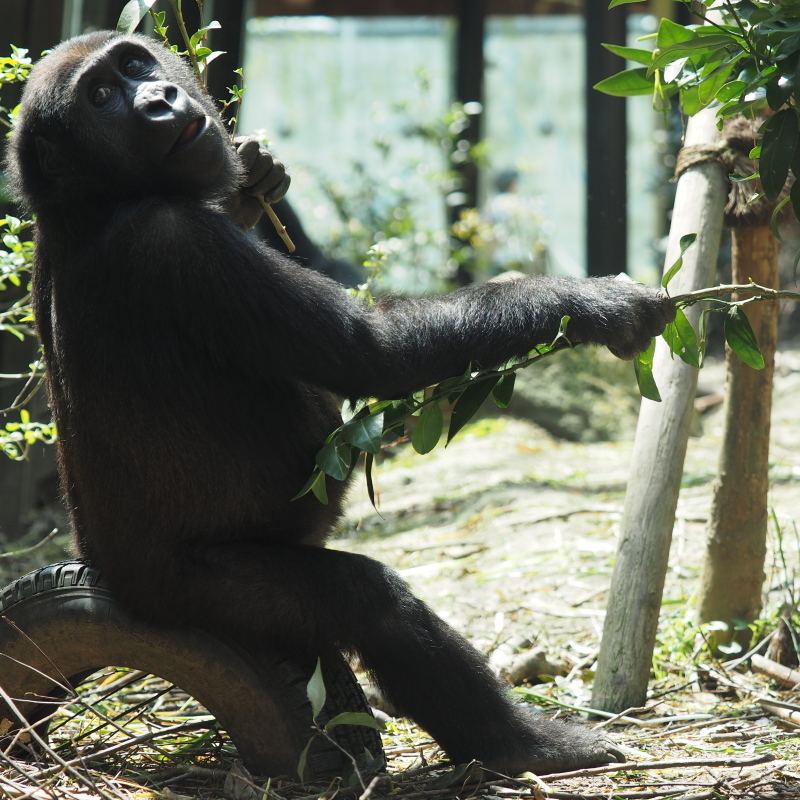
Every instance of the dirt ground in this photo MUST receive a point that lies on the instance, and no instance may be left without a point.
(510, 533)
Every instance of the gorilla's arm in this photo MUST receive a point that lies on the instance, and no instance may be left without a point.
(279, 319)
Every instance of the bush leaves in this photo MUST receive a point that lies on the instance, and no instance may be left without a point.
(741, 339)
(643, 367)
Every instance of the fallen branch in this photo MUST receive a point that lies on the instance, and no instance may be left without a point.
(779, 711)
(766, 666)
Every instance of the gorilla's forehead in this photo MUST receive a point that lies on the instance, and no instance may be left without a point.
(101, 57)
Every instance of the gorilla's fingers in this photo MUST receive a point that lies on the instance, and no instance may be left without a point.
(248, 149)
(276, 192)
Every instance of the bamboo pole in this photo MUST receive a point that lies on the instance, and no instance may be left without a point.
(659, 450)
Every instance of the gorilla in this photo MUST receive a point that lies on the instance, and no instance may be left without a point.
(194, 374)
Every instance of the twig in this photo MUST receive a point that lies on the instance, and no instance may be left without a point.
(644, 723)
(370, 788)
(64, 766)
(761, 292)
(279, 226)
(635, 795)
(730, 665)
(135, 740)
(32, 547)
(567, 514)
(182, 771)
(187, 40)
(676, 764)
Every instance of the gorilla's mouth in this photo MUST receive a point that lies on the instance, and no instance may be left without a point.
(190, 132)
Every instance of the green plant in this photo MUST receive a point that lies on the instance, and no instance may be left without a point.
(681, 337)
(364, 764)
(365, 426)
(16, 317)
(748, 63)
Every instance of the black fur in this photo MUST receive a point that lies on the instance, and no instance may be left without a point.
(193, 374)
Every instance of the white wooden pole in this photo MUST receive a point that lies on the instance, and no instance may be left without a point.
(626, 652)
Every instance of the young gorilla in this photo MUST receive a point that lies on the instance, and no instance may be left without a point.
(193, 376)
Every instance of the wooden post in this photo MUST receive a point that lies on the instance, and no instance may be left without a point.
(659, 450)
(733, 572)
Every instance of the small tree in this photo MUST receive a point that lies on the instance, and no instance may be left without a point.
(745, 60)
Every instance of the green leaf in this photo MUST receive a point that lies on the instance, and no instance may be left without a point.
(316, 484)
(628, 83)
(395, 415)
(562, 330)
(428, 429)
(731, 91)
(315, 691)
(778, 147)
(199, 35)
(690, 100)
(468, 403)
(741, 339)
(682, 339)
(643, 367)
(685, 243)
(670, 33)
(708, 87)
(335, 458)
(773, 220)
(698, 46)
(615, 3)
(301, 764)
(779, 93)
(365, 433)
(354, 718)
(132, 14)
(319, 489)
(631, 53)
(503, 390)
(369, 461)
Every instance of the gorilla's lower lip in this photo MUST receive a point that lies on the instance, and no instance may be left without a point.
(190, 133)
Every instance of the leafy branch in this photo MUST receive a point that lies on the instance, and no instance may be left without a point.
(689, 345)
(748, 64)
(363, 766)
(375, 419)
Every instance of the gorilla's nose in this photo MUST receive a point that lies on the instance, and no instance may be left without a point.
(155, 98)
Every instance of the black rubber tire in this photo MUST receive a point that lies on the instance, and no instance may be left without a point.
(66, 625)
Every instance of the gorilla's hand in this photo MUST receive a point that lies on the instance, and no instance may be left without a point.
(624, 316)
(264, 177)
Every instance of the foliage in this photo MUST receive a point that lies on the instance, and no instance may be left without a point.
(747, 64)
(371, 208)
(365, 426)
(16, 316)
(682, 339)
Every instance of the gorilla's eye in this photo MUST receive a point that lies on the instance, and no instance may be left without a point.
(99, 95)
(134, 67)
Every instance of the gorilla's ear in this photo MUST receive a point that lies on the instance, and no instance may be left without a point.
(50, 158)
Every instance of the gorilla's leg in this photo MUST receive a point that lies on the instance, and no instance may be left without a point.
(306, 600)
